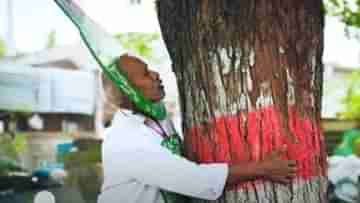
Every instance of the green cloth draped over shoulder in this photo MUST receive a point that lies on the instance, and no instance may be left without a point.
(174, 144)
(106, 50)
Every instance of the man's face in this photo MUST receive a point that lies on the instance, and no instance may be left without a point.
(145, 80)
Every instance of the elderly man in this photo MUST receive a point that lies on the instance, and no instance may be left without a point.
(139, 168)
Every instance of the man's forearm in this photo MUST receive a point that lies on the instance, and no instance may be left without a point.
(244, 172)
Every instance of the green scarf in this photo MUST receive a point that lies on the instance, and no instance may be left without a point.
(174, 144)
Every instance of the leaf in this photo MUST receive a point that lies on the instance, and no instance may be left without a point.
(139, 43)
(51, 41)
(2, 48)
(19, 142)
(352, 98)
(348, 11)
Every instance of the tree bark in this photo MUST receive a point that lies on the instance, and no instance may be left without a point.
(249, 74)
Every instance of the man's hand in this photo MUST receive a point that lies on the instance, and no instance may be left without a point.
(277, 169)
(273, 167)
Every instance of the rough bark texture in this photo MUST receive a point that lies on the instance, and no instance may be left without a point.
(250, 79)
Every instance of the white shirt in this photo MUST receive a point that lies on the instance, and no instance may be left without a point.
(136, 166)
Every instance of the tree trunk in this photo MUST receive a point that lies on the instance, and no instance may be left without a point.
(250, 79)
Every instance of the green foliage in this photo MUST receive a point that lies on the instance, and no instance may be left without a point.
(11, 147)
(2, 48)
(8, 165)
(349, 13)
(80, 158)
(51, 41)
(7, 147)
(9, 150)
(139, 43)
(84, 170)
(347, 10)
(19, 143)
(352, 99)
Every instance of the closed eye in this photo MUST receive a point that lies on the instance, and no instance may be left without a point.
(147, 72)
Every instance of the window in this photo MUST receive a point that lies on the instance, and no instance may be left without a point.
(135, 2)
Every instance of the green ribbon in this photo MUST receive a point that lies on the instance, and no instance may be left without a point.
(173, 143)
(106, 50)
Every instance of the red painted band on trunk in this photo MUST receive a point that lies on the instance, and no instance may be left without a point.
(265, 134)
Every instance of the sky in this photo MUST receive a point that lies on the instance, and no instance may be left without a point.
(35, 19)
(32, 26)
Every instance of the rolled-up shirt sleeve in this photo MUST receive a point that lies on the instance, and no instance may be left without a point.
(155, 165)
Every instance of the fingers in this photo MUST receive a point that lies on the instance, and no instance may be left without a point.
(287, 164)
(291, 163)
(277, 153)
(283, 168)
(289, 174)
(276, 166)
(284, 174)
(281, 179)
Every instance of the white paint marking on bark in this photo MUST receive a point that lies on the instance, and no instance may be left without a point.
(249, 81)
(203, 104)
(291, 88)
(265, 98)
(243, 101)
(313, 62)
(225, 60)
(233, 109)
(220, 93)
(281, 50)
(264, 101)
(313, 68)
(189, 80)
(238, 55)
(252, 57)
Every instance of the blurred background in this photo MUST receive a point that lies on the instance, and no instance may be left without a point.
(53, 104)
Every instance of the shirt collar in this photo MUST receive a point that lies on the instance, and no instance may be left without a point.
(127, 113)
